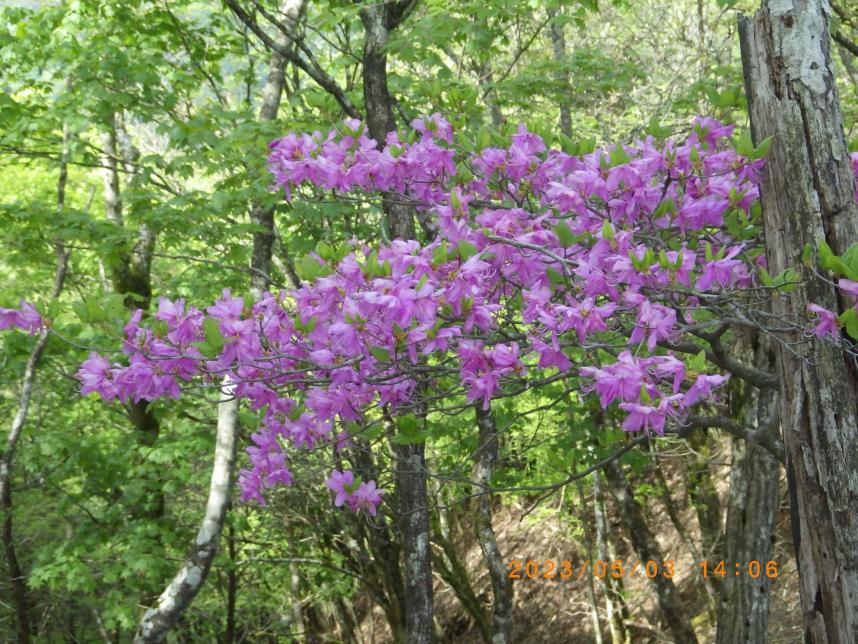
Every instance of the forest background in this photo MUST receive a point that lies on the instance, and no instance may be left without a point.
(133, 147)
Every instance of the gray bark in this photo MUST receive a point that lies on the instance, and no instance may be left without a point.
(487, 455)
(743, 610)
(449, 567)
(260, 214)
(558, 43)
(647, 548)
(378, 20)
(589, 552)
(808, 195)
(180, 592)
(411, 491)
(615, 606)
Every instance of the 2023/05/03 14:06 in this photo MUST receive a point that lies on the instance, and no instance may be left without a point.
(552, 569)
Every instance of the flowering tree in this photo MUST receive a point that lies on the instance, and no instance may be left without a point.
(599, 269)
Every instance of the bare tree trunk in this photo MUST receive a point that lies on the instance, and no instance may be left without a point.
(411, 480)
(590, 554)
(487, 455)
(450, 568)
(180, 592)
(230, 634)
(743, 610)
(808, 195)
(614, 603)
(378, 20)
(558, 42)
(647, 548)
(261, 214)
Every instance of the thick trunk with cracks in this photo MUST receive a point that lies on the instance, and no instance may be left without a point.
(180, 592)
(488, 453)
(808, 195)
(647, 548)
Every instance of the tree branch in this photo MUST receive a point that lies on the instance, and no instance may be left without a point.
(320, 76)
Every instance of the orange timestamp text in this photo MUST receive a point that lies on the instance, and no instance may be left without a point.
(549, 569)
(553, 569)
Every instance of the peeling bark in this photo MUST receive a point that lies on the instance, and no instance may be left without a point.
(808, 195)
(180, 592)
(487, 455)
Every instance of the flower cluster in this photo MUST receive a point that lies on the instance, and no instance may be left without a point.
(545, 266)
(357, 494)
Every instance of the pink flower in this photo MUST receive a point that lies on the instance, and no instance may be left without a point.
(366, 497)
(827, 324)
(340, 483)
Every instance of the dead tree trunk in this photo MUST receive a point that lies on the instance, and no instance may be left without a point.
(808, 195)
(647, 548)
(487, 455)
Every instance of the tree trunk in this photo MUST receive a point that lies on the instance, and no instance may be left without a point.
(449, 566)
(411, 480)
(378, 20)
(646, 546)
(261, 214)
(743, 611)
(131, 277)
(179, 594)
(616, 609)
(590, 555)
(808, 195)
(487, 455)
(558, 43)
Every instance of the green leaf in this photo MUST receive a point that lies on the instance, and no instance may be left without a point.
(564, 234)
(466, 249)
(849, 321)
(762, 149)
(807, 255)
(619, 155)
(380, 353)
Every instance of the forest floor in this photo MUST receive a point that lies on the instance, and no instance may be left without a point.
(560, 611)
